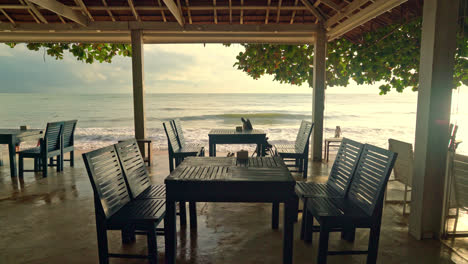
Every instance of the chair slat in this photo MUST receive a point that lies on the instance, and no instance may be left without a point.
(108, 185)
(372, 173)
(133, 166)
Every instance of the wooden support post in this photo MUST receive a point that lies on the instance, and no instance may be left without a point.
(318, 95)
(433, 117)
(138, 87)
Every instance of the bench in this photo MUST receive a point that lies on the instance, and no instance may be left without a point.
(339, 180)
(115, 209)
(360, 208)
(177, 153)
(299, 151)
(138, 179)
(50, 146)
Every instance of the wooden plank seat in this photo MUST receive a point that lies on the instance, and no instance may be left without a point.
(138, 180)
(177, 153)
(115, 209)
(339, 180)
(49, 147)
(360, 208)
(299, 151)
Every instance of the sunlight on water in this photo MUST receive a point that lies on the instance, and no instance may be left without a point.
(106, 118)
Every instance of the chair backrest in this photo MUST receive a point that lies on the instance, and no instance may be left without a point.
(177, 127)
(371, 176)
(69, 133)
(172, 143)
(107, 180)
(133, 166)
(345, 165)
(53, 135)
(302, 139)
(403, 169)
(460, 180)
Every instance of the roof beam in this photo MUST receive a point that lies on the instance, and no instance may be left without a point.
(84, 9)
(294, 12)
(188, 11)
(174, 9)
(348, 10)
(8, 17)
(62, 10)
(313, 10)
(278, 12)
(215, 13)
(162, 11)
(242, 13)
(108, 11)
(331, 4)
(373, 10)
(230, 11)
(36, 12)
(267, 11)
(158, 32)
(132, 6)
(30, 11)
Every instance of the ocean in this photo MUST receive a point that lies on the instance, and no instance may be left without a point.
(106, 118)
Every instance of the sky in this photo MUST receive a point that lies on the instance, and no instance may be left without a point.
(169, 68)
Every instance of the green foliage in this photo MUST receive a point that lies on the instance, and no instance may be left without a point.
(390, 54)
(88, 53)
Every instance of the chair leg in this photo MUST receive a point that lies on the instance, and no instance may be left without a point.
(405, 199)
(193, 215)
(182, 214)
(59, 163)
(373, 244)
(171, 163)
(349, 234)
(72, 158)
(323, 244)
(296, 209)
(456, 220)
(306, 167)
(44, 167)
(152, 244)
(103, 249)
(20, 167)
(51, 161)
(128, 235)
(304, 217)
(35, 165)
(309, 228)
(275, 215)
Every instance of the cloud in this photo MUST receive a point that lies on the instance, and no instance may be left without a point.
(168, 68)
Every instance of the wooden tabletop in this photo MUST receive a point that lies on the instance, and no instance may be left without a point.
(19, 132)
(219, 131)
(214, 169)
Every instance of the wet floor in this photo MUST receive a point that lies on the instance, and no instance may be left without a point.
(51, 220)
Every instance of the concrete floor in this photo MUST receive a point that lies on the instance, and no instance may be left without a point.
(51, 220)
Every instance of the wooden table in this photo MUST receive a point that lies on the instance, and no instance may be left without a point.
(335, 142)
(12, 137)
(214, 179)
(231, 136)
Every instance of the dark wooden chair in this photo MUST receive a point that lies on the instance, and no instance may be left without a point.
(114, 207)
(360, 208)
(177, 126)
(176, 152)
(299, 151)
(138, 179)
(49, 146)
(68, 144)
(339, 180)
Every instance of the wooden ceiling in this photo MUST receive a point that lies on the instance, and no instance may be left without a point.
(337, 16)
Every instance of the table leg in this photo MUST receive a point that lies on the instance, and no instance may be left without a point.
(288, 234)
(170, 239)
(214, 150)
(210, 146)
(12, 156)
